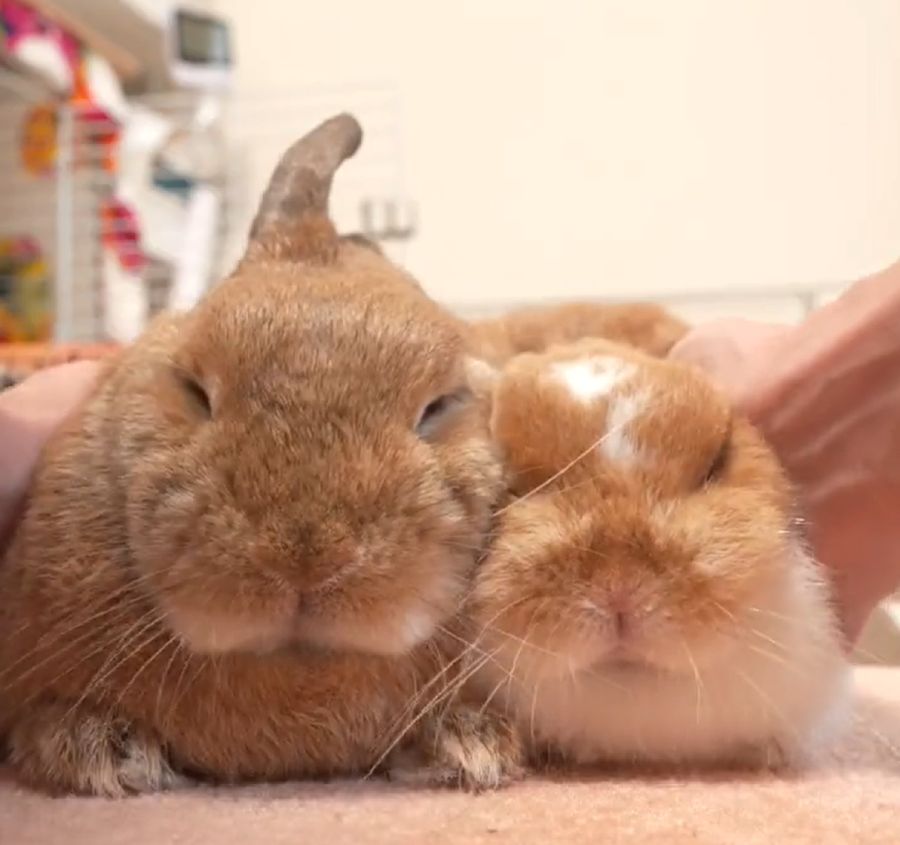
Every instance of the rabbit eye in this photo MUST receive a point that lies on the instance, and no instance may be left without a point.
(717, 467)
(436, 411)
(197, 395)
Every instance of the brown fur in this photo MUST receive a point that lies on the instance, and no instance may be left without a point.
(647, 596)
(641, 325)
(249, 591)
(580, 524)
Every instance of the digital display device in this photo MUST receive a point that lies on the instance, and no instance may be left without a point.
(202, 40)
(200, 51)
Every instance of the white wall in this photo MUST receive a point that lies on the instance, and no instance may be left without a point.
(565, 148)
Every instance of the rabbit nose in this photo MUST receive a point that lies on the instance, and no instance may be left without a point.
(622, 610)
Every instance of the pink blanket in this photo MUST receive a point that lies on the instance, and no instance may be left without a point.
(853, 799)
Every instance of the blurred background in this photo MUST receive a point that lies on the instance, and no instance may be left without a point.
(721, 156)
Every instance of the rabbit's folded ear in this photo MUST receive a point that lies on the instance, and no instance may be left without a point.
(292, 222)
(482, 378)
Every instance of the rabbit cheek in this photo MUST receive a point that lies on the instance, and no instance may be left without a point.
(208, 631)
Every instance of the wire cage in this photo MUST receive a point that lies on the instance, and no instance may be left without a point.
(104, 223)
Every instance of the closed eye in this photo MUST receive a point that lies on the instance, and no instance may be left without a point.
(196, 395)
(719, 463)
(440, 409)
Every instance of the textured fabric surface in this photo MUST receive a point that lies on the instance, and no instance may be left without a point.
(853, 798)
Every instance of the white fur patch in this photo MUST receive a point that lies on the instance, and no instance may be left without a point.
(591, 378)
(616, 444)
(417, 626)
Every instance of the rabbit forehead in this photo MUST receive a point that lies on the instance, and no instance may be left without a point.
(605, 385)
(592, 377)
(287, 330)
(601, 411)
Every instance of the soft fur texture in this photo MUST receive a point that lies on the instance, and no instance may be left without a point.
(245, 557)
(236, 561)
(643, 326)
(647, 596)
(851, 799)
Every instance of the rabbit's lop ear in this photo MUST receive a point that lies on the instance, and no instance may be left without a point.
(292, 222)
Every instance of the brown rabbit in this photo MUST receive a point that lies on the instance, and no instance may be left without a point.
(648, 596)
(238, 559)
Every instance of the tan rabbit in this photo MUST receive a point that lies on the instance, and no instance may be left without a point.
(239, 559)
(648, 596)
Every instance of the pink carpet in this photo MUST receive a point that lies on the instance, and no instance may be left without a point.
(853, 799)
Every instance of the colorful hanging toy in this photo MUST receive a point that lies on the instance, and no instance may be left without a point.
(25, 314)
(47, 47)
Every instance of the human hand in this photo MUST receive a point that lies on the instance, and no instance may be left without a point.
(826, 394)
(741, 356)
(29, 413)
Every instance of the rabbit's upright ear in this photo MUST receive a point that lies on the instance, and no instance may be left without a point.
(292, 223)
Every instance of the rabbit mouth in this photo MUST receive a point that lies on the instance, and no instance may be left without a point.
(625, 661)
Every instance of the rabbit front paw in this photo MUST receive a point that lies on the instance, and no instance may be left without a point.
(467, 748)
(61, 748)
(769, 755)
